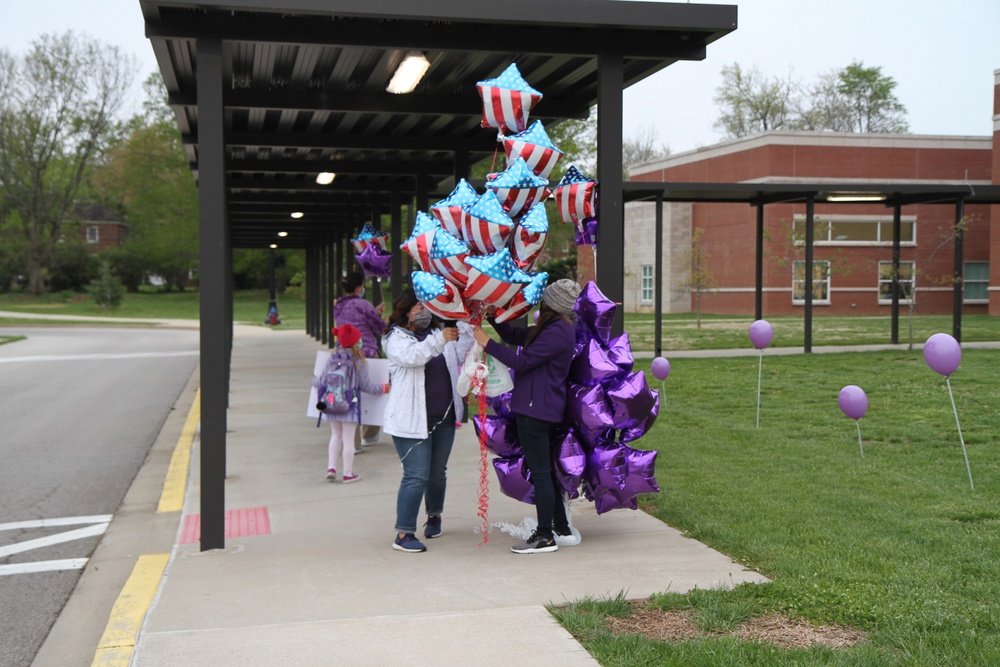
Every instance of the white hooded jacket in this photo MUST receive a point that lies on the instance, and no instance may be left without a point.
(406, 407)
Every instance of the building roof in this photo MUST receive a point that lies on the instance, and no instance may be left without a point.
(305, 90)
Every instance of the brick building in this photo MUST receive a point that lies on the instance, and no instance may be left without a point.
(853, 242)
(98, 226)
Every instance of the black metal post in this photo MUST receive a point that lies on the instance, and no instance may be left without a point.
(958, 288)
(896, 233)
(758, 293)
(396, 238)
(658, 269)
(272, 301)
(810, 234)
(214, 346)
(610, 270)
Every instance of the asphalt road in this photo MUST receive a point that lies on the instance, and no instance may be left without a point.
(79, 410)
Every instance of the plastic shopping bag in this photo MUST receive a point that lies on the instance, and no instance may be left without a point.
(480, 370)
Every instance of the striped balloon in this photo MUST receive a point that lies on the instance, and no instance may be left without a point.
(535, 148)
(576, 196)
(494, 278)
(529, 237)
(418, 246)
(439, 296)
(488, 226)
(507, 100)
(451, 210)
(447, 257)
(518, 188)
(525, 300)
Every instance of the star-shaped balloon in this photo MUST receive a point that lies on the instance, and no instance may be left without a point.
(439, 296)
(515, 479)
(529, 237)
(494, 278)
(569, 461)
(620, 352)
(487, 226)
(631, 400)
(589, 413)
(418, 246)
(586, 232)
(501, 434)
(525, 300)
(640, 476)
(576, 196)
(447, 257)
(534, 147)
(369, 235)
(592, 365)
(596, 312)
(507, 100)
(451, 210)
(375, 262)
(518, 188)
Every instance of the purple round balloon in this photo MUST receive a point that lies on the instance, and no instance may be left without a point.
(660, 368)
(761, 334)
(942, 353)
(853, 401)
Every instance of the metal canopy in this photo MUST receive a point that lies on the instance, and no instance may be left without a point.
(304, 91)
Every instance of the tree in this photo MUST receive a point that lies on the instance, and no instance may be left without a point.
(700, 279)
(642, 145)
(751, 102)
(874, 107)
(827, 109)
(58, 110)
(106, 289)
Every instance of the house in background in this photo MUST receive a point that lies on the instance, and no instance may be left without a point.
(97, 226)
(853, 242)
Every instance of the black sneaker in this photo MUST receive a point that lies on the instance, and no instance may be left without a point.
(408, 543)
(536, 544)
(432, 528)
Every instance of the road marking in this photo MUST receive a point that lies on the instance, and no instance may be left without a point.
(62, 521)
(99, 356)
(58, 538)
(98, 524)
(172, 496)
(118, 642)
(44, 566)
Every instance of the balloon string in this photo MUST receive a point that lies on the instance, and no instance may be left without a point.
(960, 438)
(759, 367)
(484, 480)
(857, 422)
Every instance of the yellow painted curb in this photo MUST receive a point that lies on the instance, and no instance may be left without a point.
(172, 497)
(118, 642)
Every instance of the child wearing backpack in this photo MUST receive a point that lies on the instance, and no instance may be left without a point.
(339, 390)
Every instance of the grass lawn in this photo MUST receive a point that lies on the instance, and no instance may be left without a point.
(895, 545)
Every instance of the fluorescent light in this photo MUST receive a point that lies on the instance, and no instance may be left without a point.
(409, 73)
(855, 196)
(282, 234)
(297, 214)
(325, 177)
(273, 246)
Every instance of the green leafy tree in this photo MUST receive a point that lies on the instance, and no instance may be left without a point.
(873, 104)
(752, 102)
(106, 289)
(58, 113)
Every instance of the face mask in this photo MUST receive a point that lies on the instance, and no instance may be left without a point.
(362, 295)
(422, 320)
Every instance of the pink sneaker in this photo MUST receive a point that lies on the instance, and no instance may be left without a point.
(351, 478)
(331, 473)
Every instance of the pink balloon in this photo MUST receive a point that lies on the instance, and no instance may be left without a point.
(942, 353)
(853, 401)
(761, 334)
(660, 368)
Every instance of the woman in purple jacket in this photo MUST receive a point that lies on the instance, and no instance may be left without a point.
(541, 366)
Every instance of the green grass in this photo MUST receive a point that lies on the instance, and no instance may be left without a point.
(895, 544)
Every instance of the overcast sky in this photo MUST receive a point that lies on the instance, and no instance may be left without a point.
(942, 55)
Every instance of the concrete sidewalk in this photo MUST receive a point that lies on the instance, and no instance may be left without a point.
(324, 586)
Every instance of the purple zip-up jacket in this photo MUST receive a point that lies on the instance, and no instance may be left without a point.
(356, 311)
(540, 369)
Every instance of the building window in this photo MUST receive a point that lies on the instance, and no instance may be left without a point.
(855, 230)
(820, 282)
(977, 282)
(647, 283)
(885, 282)
(93, 234)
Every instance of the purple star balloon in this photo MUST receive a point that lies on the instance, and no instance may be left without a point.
(375, 262)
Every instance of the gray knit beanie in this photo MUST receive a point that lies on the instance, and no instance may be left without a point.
(561, 295)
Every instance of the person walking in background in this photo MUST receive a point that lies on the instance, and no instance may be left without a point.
(344, 377)
(353, 309)
(541, 365)
(420, 414)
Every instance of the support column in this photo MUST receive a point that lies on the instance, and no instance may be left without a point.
(610, 270)
(396, 238)
(758, 293)
(658, 268)
(959, 273)
(896, 232)
(213, 260)
(810, 237)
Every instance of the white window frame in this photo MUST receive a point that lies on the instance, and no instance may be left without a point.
(878, 220)
(883, 280)
(646, 284)
(93, 234)
(985, 282)
(816, 264)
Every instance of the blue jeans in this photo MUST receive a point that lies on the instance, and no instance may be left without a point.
(536, 445)
(425, 463)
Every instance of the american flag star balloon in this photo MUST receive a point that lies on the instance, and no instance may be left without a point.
(534, 147)
(507, 100)
(576, 196)
(368, 236)
(375, 262)
(439, 296)
(518, 188)
(447, 256)
(451, 210)
(494, 278)
(488, 226)
(421, 239)
(530, 236)
(526, 299)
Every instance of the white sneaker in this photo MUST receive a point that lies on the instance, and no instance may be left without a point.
(358, 450)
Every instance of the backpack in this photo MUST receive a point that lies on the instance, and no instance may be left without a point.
(338, 393)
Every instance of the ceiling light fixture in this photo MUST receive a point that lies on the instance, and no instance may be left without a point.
(273, 246)
(282, 234)
(297, 214)
(409, 73)
(325, 177)
(855, 196)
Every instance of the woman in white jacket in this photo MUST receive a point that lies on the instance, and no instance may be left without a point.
(420, 415)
